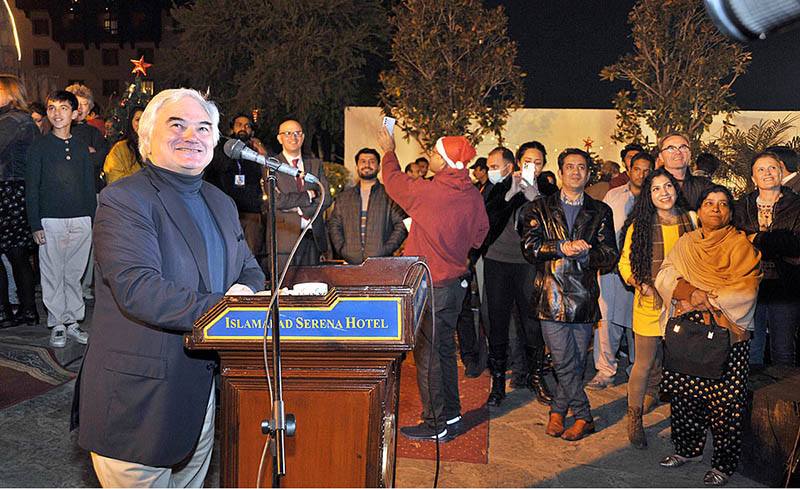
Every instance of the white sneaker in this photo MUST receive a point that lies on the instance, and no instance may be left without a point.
(77, 334)
(58, 336)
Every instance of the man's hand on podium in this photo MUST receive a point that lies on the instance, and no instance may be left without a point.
(239, 289)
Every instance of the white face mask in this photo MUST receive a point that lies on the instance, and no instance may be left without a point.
(496, 176)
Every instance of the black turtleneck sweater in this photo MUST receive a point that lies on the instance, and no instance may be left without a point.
(188, 187)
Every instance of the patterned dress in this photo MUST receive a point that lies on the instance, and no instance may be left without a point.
(698, 403)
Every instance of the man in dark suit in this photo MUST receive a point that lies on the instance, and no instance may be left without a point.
(297, 201)
(168, 247)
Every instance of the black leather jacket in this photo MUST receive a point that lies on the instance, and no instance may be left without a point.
(782, 240)
(565, 289)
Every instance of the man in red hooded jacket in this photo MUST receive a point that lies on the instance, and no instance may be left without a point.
(448, 218)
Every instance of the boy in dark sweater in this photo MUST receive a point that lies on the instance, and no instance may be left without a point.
(59, 194)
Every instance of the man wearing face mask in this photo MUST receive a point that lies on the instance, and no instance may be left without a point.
(240, 179)
(508, 277)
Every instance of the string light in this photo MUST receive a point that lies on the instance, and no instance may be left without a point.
(14, 28)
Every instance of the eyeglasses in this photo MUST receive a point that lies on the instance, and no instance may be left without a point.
(292, 133)
(673, 149)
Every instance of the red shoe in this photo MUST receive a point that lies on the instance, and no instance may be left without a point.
(578, 430)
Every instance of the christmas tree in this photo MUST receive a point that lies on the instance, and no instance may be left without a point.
(135, 96)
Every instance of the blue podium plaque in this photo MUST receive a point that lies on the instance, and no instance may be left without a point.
(346, 319)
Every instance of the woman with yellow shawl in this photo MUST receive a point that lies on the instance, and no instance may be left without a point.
(124, 158)
(713, 269)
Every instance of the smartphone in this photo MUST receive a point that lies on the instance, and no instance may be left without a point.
(528, 172)
(389, 123)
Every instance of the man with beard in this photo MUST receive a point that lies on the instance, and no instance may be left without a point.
(241, 180)
(365, 221)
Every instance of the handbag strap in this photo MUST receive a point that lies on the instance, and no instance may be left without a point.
(708, 318)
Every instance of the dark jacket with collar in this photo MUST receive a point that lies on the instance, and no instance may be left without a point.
(566, 290)
(499, 211)
(288, 197)
(222, 173)
(140, 396)
(782, 240)
(385, 229)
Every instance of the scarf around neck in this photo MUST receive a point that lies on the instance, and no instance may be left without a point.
(685, 225)
(721, 261)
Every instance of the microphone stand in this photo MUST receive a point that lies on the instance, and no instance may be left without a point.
(277, 428)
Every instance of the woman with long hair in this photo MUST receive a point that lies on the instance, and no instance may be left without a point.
(17, 132)
(713, 270)
(124, 159)
(657, 220)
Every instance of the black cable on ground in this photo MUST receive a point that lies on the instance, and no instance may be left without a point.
(430, 359)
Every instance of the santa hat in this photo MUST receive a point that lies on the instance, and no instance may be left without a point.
(455, 150)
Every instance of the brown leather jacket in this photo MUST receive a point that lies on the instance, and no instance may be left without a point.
(566, 289)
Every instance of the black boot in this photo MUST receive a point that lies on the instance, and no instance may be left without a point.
(26, 316)
(498, 370)
(6, 316)
(536, 382)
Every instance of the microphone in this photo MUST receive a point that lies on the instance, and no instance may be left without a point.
(746, 20)
(237, 150)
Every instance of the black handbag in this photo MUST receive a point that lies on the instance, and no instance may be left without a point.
(695, 347)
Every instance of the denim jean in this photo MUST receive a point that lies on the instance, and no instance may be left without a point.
(437, 373)
(780, 315)
(569, 344)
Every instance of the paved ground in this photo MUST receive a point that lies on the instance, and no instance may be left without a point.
(39, 450)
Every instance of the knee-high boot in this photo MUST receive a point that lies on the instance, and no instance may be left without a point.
(536, 380)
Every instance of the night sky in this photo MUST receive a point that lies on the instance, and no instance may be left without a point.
(563, 44)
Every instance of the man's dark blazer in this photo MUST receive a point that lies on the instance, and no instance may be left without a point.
(140, 396)
(288, 197)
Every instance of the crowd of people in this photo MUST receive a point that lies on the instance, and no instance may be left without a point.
(664, 242)
(553, 270)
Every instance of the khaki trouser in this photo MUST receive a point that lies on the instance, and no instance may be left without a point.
(62, 260)
(119, 473)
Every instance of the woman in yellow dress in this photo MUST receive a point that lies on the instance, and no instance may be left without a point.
(124, 158)
(657, 220)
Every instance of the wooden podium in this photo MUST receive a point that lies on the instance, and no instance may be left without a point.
(341, 356)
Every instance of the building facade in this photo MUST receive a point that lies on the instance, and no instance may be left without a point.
(88, 41)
